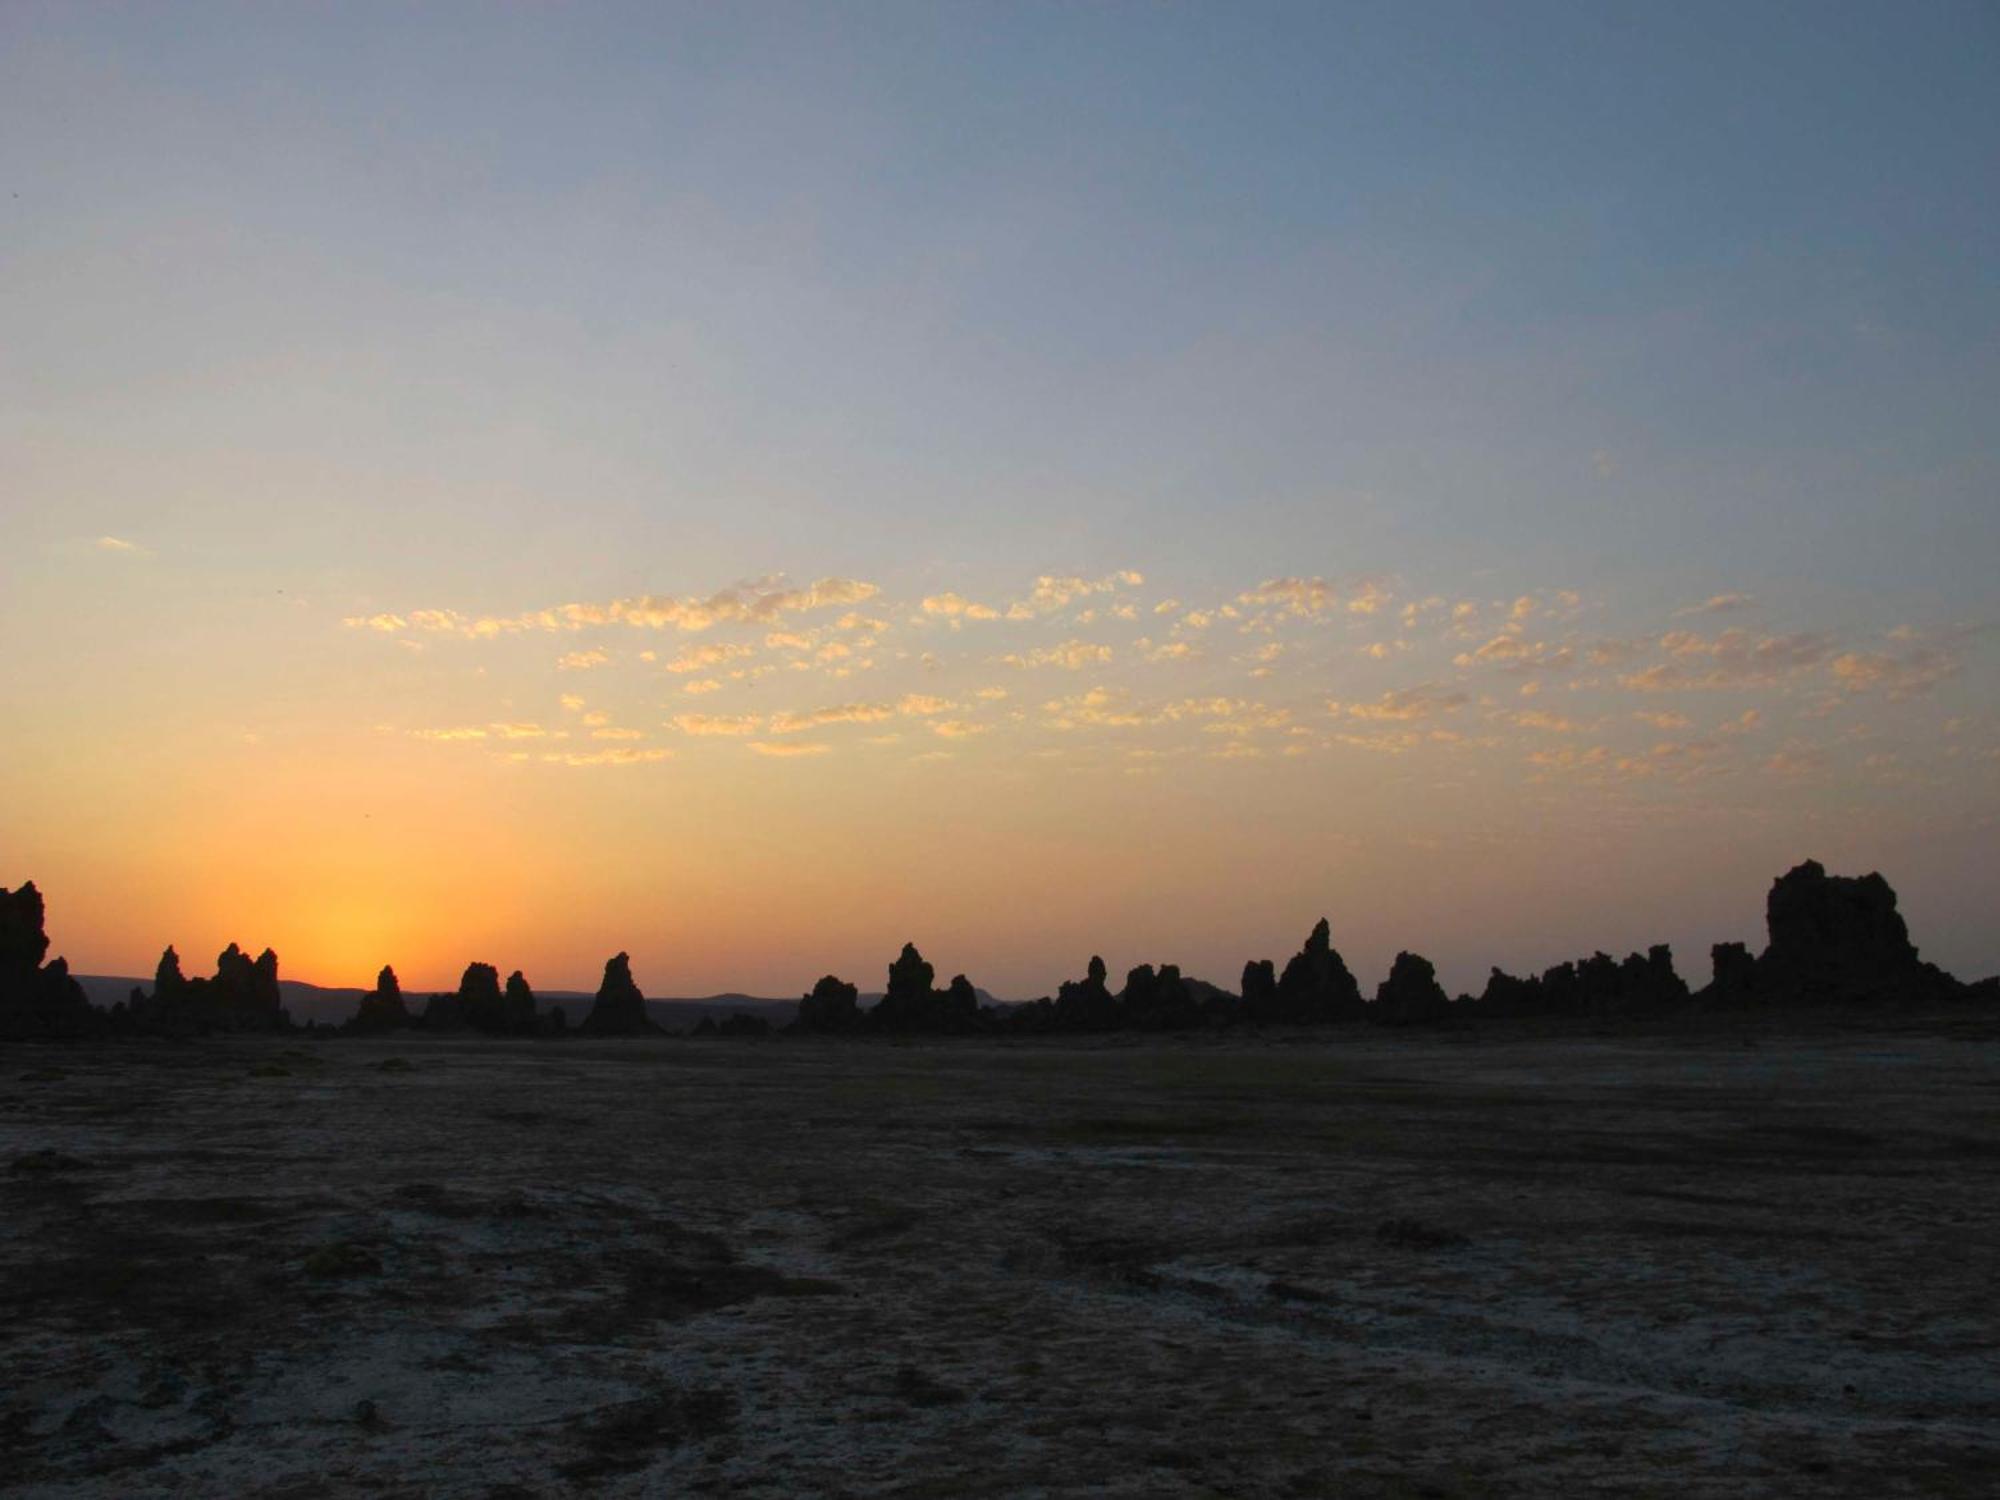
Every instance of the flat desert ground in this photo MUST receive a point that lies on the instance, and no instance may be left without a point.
(1731, 1260)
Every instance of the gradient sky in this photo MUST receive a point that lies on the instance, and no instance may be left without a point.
(751, 485)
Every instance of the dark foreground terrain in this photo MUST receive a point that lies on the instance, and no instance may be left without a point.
(1718, 1263)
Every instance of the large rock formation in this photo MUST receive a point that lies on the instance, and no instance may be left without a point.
(1837, 937)
(833, 1006)
(1260, 989)
(517, 1007)
(1086, 1004)
(1315, 986)
(620, 1010)
(911, 1003)
(1159, 1000)
(907, 1002)
(242, 996)
(1596, 986)
(1831, 938)
(479, 997)
(1411, 994)
(382, 1008)
(36, 999)
(958, 1009)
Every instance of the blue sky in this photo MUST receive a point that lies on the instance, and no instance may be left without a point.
(487, 309)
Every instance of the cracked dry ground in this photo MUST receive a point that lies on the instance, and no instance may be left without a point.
(1364, 1265)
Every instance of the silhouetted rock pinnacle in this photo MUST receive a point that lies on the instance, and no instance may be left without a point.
(1838, 937)
(382, 1008)
(833, 1006)
(517, 1007)
(620, 1010)
(1086, 1004)
(1411, 994)
(1158, 1001)
(36, 999)
(1315, 986)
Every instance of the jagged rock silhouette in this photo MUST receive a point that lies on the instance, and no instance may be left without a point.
(517, 1007)
(832, 1006)
(906, 1003)
(381, 1009)
(1839, 937)
(1411, 995)
(620, 1010)
(1086, 1004)
(1831, 938)
(911, 1003)
(1596, 986)
(243, 996)
(1158, 1000)
(1316, 986)
(37, 1000)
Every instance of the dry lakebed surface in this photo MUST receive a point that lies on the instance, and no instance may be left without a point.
(1733, 1260)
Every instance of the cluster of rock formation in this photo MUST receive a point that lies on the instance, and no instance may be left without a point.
(242, 997)
(481, 1004)
(1832, 939)
(36, 999)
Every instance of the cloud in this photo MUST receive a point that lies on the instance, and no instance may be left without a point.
(922, 704)
(1096, 708)
(701, 685)
(709, 654)
(1510, 653)
(706, 724)
(839, 713)
(1169, 651)
(1535, 718)
(1900, 674)
(1242, 719)
(1295, 596)
(1716, 604)
(958, 607)
(582, 661)
(518, 731)
(756, 604)
(571, 701)
(957, 729)
(795, 747)
(1662, 720)
(470, 732)
(617, 734)
(1795, 762)
(623, 755)
(1735, 658)
(1072, 655)
(991, 694)
(1053, 592)
(386, 624)
(119, 544)
(1368, 597)
(1405, 705)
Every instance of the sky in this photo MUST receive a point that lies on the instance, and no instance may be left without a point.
(754, 485)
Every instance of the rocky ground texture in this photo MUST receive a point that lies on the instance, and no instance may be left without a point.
(1738, 1260)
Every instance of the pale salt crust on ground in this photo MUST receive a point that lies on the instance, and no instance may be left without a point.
(1714, 1263)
